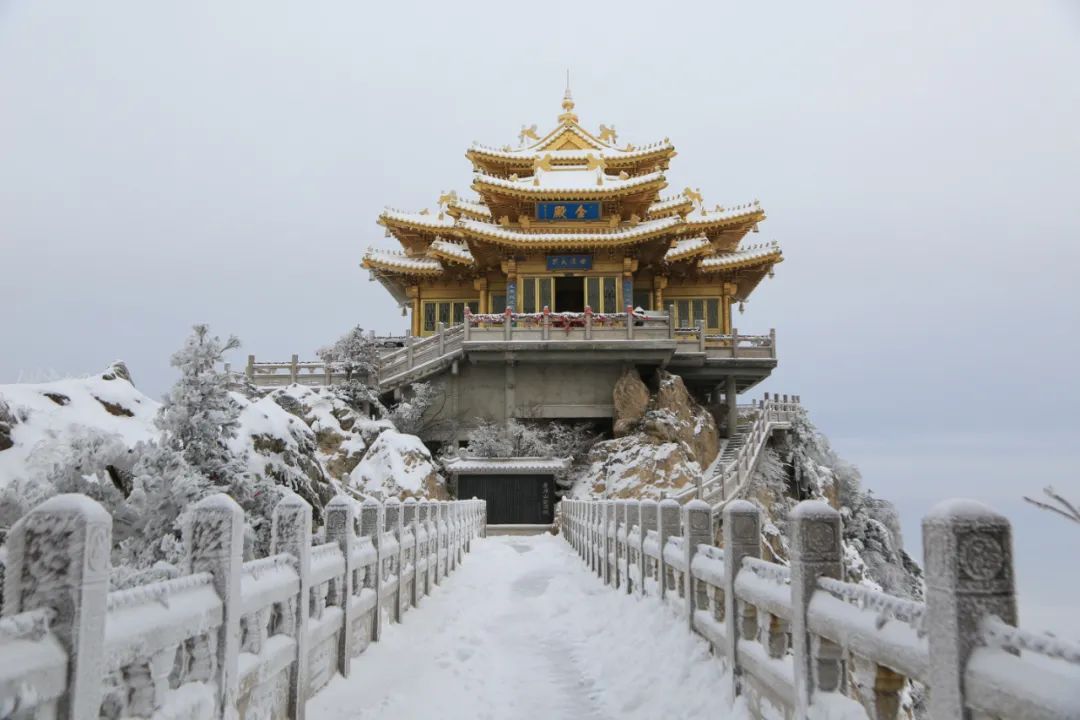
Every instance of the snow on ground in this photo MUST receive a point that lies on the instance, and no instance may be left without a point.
(524, 630)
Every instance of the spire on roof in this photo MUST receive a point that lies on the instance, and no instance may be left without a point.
(568, 103)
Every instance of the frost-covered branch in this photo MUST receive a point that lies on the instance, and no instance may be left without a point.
(1058, 504)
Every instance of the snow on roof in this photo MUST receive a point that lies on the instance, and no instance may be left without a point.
(424, 219)
(743, 256)
(701, 216)
(532, 152)
(606, 235)
(453, 251)
(686, 248)
(666, 204)
(399, 262)
(516, 465)
(472, 206)
(576, 180)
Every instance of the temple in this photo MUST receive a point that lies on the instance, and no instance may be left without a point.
(567, 264)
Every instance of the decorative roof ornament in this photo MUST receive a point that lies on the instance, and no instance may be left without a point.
(608, 134)
(527, 133)
(694, 196)
(568, 115)
(448, 197)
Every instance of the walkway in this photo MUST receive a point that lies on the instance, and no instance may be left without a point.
(523, 630)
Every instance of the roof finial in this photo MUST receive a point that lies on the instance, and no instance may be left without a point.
(568, 103)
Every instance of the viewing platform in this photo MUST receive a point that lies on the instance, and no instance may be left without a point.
(644, 339)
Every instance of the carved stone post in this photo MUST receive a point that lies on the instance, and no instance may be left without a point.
(214, 538)
(647, 520)
(249, 371)
(667, 526)
(621, 528)
(340, 519)
(969, 575)
(742, 538)
(422, 548)
(701, 335)
(291, 533)
(671, 322)
(371, 527)
(392, 529)
(815, 552)
(444, 537)
(633, 515)
(58, 558)
(697, 530)
(294, 368)
(409, 522)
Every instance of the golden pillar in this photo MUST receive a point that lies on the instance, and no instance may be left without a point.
(413, 293)
(481, 286)
(730, 289)
(659, 283)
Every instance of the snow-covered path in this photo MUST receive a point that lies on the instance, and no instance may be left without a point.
(523, 630)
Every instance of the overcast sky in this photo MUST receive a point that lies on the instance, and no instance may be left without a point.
(165, 163)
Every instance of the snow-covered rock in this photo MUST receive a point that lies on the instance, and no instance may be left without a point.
(398, 465)
(664, 449)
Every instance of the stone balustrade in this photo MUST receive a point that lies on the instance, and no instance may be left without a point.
(230, 638)
(798, 637)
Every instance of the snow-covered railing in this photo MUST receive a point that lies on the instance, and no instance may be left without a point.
(230, 638)
(729, 478)
(798, 637)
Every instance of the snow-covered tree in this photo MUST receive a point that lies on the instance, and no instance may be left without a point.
(356, 354)
(408, 414)
(199, 416)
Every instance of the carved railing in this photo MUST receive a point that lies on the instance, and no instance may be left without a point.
(729, 478)
(231, 638)
(798, 636)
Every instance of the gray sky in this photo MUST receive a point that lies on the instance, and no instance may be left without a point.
(172, 162)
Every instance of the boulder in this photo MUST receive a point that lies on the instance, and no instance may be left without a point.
(677, 417)
(398, 465)
(635, 467)
(631, 400)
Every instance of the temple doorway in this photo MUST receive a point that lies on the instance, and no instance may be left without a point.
(570, 294)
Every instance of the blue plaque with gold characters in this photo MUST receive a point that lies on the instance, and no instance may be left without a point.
(569, 262)
(568, 211)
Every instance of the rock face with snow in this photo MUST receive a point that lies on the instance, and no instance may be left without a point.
(664, 441)
(398, 465)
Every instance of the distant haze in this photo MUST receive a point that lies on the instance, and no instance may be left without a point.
(168, 163)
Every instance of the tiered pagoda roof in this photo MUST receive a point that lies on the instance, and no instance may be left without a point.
(674, 235)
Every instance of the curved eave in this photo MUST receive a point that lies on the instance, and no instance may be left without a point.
(474, 232)
(669, 209)
(459, 210)
(415, 222)
(725, 220)
(734, 263)
(691, 248)
(525, 158)
(403, 266)
(539, 193)
(451, 252)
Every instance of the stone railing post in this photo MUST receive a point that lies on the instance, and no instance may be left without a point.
(249, 371)
(371, 527)
(508, 324)
(408, 521)
(742, 538)
(410, 353)
(671, 321)
(588, 322)
(667, 526)
(467, 330)
(629, 322)
(772, 341)
(967, 553)
(294, 369)
(697, 530)
(815, 552)
(422, 554)
(734, 342)
(608, 544)
(214, 539)
(621, 528)
(701, 335)
(444, 536)
(291, 533)
(433, 543)
(632, 515)
(58, 558)
(392, 527)
(340, 522)
(648, 511)
(442, 338)
(545, 324)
